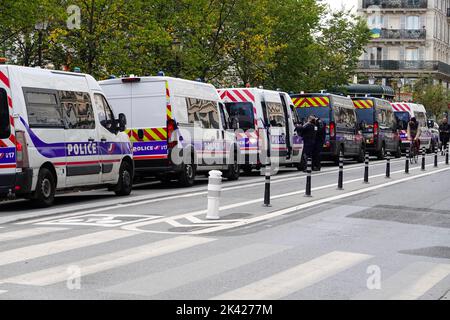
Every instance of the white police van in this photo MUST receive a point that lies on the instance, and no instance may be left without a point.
(404, 112)
(177, 127)
(259, 112)
(58, 132)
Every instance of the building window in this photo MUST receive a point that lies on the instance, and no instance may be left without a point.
(412, 54)
(376, 55)
(412, 23)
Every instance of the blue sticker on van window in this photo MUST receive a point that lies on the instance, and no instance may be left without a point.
(7, 155)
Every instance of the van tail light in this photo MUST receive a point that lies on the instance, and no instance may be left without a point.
(376, 128)
(332, 130)
(21, 150)
(171, 134)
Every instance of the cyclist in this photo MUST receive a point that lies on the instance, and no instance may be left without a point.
(414, 133)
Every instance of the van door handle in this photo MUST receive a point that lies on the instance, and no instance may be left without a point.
(103, 140)
(91, 140)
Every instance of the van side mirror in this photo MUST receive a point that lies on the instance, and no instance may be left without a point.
(122, 122)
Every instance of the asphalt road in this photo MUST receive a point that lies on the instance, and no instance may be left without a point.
(388, 239)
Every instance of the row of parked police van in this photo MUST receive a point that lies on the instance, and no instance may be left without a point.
(61, 131)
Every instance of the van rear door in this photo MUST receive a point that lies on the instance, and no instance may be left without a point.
(277, 122)
(148, 121)
(7, 145)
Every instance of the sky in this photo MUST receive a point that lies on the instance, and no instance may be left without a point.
(337, 4)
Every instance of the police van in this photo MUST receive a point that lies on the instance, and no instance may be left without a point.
(343, 134)
(176, 126)
(57, 132)
(404, 112)
(259, 114)
(380, 129)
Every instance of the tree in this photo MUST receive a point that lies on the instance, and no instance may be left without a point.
(336, 51)
(24, 27)
(434, 97)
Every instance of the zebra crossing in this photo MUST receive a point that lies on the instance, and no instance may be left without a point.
(411, 281)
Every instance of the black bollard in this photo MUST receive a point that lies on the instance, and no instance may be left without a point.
(423, 159)
(308, 178)
(436, 162)
(341, 171)
(388, 165)
(408, 159)
(366, 168)
(268, 169)
(446, 154)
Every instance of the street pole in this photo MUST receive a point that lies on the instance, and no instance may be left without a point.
(408, 159)
(366, 168)
(308, 178)
(341, 171)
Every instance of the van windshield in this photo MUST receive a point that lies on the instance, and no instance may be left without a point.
(365, 115)
(5, 130)
(322, 112)
(403, 119)
(243, 111)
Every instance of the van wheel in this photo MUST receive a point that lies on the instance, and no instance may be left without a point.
(125, 184)
(187, 176)
(234, 171)
(44, 196)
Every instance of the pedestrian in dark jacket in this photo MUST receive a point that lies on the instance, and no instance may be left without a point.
(308, 132)
(318, 145)
(444, 132)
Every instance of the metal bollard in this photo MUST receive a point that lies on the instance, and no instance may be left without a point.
(341, 171)
(388, 165)
(308, 178)
(423, 159)
(447, 154)
(436, 162)
(214, 193)
(268, 170)
(366, 168)
(408, 159)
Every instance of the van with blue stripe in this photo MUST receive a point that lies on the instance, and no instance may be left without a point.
(58, 133)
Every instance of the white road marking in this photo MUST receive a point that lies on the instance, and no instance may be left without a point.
(410, 283)
(59, 246)
(243, 222)
(27, 233)
(172, 195)
(108, 261)
(179, 276)
(302, 276)
(426, 282)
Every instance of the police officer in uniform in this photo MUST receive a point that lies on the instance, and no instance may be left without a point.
(309, 133)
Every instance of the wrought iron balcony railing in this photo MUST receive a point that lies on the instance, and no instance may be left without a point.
(399, 34)
(395, 65)
(396, 4)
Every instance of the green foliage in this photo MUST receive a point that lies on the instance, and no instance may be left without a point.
(434, 97)
(292, 44)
